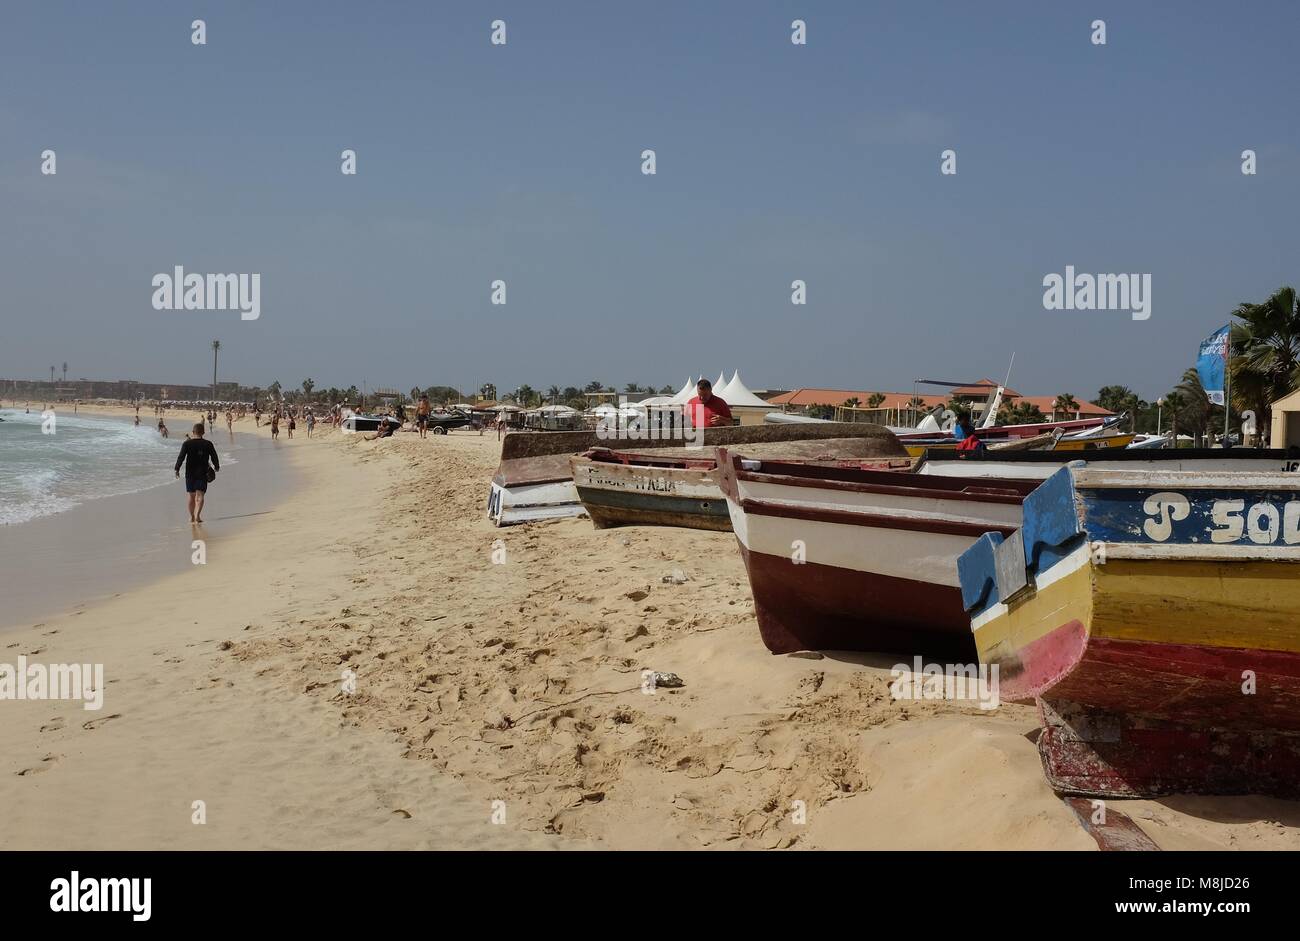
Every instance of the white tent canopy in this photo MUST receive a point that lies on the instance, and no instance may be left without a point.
(685, 395)
(736, 394)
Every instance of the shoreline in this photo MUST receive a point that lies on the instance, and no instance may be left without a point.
(60, 563)
(182, 722)
(516, 682)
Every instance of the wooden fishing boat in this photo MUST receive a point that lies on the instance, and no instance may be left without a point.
(848, 559)
(1039, 465)
(1153, 617)
(1045, 441)
(534, 479)
(628, 488)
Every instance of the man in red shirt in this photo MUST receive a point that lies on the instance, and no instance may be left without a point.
(706, 410)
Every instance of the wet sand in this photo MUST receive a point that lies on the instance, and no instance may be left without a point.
(104, 547)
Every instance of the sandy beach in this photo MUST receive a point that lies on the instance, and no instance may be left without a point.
(498, 676)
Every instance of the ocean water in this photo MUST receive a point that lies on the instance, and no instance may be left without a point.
(87, 458)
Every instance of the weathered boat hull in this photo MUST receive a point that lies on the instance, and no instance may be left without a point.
(642, 493)
(534, 479)
(621, 488)
(1161, 646)
(859, 560)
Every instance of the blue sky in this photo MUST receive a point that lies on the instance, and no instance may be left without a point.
(522, 162)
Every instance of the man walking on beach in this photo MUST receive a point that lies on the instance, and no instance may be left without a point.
(195, 455)
(422, 416)
(707, 410)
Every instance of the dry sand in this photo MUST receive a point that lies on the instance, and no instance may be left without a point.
(518, 681)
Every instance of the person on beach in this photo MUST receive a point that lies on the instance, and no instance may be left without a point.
(230, 421)
(965, 435)
(162, 428)
(137, 419)
(707, 410)
(195, 454)
(386, 429)
(422, 416)
(311, 421)
(293, 423)
(275, 425)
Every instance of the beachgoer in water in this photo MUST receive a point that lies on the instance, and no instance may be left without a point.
(195, 454)
(137, 419)
(292, 424)
(275, 425)
(162, 428)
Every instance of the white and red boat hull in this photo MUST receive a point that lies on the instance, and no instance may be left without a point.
(861, 560)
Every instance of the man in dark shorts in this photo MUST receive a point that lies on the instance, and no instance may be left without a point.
(422, 415)
(195, 454)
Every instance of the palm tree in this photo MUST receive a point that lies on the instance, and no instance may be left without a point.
(1195, 404)
(1264, 359)
(1175, 401)
(1065, 404)
(307, 386)
(1021, 413)
(874, 400)
(553, 393)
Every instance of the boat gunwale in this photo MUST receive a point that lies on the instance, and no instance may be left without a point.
(821, 514)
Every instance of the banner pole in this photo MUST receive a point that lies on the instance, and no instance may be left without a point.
(1227, 385)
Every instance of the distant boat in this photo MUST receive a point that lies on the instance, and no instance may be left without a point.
(857, 559)
(1071, 435)
(1152, 617)
(355, 423)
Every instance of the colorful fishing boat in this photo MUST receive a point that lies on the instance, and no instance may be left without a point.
(534, 479)
(628, 488)
(1113, 441)
(1154, 617)
(848, 559)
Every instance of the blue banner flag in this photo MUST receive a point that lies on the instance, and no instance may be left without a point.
(1211, 362)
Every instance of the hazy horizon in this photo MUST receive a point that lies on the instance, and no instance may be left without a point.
(522, 162)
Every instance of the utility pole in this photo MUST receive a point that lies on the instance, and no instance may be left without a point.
(216, 345)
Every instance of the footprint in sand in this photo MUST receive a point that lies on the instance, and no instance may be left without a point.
(96, 723)
(48, 762)
(53, 725)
